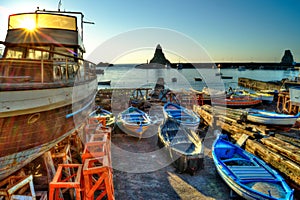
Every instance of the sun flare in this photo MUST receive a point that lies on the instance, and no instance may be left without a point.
(28, 23)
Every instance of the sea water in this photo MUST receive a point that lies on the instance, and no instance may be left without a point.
(127, 76)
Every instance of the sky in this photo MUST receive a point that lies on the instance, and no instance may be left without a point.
(128, 31)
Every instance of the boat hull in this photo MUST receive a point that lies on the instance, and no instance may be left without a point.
(182, 115)
(34, 125)
(184, 146)
(271, 118)
(247, 175)
(133, 121)
(40, 132)
(272, 121)
(237, 102)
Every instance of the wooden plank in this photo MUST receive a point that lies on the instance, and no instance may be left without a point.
(242, 140)
(284, 148)
(282, 164)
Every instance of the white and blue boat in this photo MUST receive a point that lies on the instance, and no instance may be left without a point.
(271, 118)
(247, 175)
(101, 112)
(133, 121)
(182, 115)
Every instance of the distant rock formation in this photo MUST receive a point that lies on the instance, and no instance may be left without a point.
(287, 58)
(159, 57)
(104, 64)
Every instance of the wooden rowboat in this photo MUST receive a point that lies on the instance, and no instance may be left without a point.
(247, 175)
(184, 145)
(100, 112)
(183, 115)
(271, 118)
(237, 101)
(133, 121)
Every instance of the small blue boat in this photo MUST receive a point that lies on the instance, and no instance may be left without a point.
(247, 175)
(133, 121)
(182, 115)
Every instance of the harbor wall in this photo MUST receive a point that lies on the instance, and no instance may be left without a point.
(259, 85)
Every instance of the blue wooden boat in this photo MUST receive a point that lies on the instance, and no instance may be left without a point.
(101, 112)
(247, 175)
(184, 146)
(271, 118)
(133, 121)
(181, 114)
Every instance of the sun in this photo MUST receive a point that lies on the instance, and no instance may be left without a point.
(28, 23)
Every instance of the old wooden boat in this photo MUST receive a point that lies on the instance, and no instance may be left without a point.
(133, 121)
(237, 101)
(247, 175)
(184, 145)
(102, 113)
(181, 114)
(271, 118)
(47, 90)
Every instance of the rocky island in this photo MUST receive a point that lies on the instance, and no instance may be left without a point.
(159, 61)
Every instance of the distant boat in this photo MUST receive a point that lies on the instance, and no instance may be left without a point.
(99, 71)
(104, 82)
(247, 175)
(226, 77)
(183, 115)
(242, 68)
(179, 66)
(133, 121)
(184, 145)
(198, 79)
(271, 118)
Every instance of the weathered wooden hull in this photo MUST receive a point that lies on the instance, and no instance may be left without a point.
(30, 130)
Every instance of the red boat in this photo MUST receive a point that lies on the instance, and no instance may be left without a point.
(236, 101)
(47, 90)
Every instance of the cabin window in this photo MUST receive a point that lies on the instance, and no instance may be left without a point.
(15, 52)
(64, 51)
(38, 54)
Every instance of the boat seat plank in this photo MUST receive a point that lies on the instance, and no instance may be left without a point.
(234, 159)
(251, 172)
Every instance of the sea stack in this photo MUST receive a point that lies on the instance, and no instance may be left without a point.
(287, 58)
(159, 57)
(158, 61)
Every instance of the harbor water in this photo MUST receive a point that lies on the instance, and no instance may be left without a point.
(127, 76)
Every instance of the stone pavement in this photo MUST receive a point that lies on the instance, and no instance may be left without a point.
(144, 171)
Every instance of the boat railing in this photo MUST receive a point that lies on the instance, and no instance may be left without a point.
(45, 71)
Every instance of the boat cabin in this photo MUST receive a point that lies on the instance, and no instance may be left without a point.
(43, 47)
